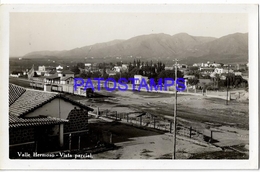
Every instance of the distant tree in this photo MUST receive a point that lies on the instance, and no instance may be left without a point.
(193, 81)
(169, 74)
(75, 69)
(96, 74)
(85, 75)
(81, 65)
(193, 68)
(105, 76)
(134, 71)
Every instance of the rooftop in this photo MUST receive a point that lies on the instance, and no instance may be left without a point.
(15, 121)
(24, 101)
(67, 72)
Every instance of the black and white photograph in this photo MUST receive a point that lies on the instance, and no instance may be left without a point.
(131, 85)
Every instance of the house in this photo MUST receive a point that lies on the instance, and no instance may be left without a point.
(16, 74)
(67, 80)
(215, 65)
(50, 72)
(124, 67)
(66, 73)
(59, 68)
(117, 68)
(110, 72)
(238, 73)
(53, 79)
(222, 70)
(189, 77)
(139, 78)
(168, 68)
(196, 65)
(39, 121)
(88, 66)
(204, 70)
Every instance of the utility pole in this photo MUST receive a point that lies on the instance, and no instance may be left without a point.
(227, 86)
(175, 114)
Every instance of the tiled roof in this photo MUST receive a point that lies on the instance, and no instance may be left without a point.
(15, 121)
(52, 76)
(14, 93)
(76, 103)
(65, 78)
(67, 72)
(33, 99)
(52, 72)
(29, 101)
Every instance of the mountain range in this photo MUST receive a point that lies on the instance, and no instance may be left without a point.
(231, 48)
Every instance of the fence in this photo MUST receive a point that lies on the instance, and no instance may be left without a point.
(147, 120)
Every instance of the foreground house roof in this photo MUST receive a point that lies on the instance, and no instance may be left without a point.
(26, 100)
(15, 121)
(14, 93)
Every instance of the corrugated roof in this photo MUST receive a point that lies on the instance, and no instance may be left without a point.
(15, 121)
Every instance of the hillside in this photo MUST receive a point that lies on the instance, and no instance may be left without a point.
(160, 46)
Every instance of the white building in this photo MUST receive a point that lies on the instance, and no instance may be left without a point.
(139, 78)
(238, 73)
(221, 70)
(117, 68)
(59, 67)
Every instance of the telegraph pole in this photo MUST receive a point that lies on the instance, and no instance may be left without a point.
(175, 114)
(227, 86)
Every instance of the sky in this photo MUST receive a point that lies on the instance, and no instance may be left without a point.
(64, 31)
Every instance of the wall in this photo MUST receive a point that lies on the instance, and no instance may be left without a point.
(21, 135)
(52, 109)
(78, 120)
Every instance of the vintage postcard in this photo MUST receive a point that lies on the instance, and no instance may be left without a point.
(161, 85)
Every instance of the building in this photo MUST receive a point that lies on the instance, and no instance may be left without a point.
(65, 74)
(16, 74)
(139, 78)
(39, 121)
(59, 67)
(125, 67)
(205, 70)
(168, 68)
(50, 73)
(88, 66)
(117, 68)
(215, 65)
(189, 76)
(238, 73)
(222, 70)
